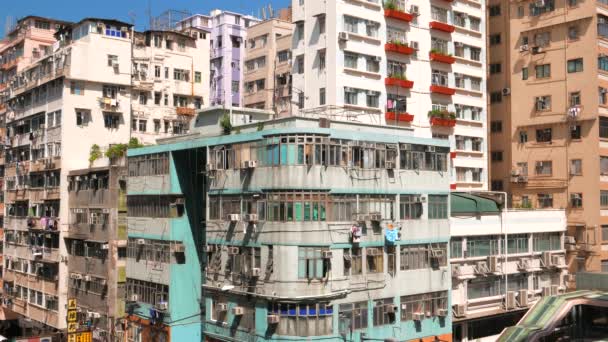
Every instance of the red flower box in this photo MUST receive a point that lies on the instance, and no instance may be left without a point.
(399, 15)
(443, 122)
(437, 57)
(405, 117)
(452, 155)
(402, 49)
(437, 25)
(453, 186)
(437, 89)
(390, 81)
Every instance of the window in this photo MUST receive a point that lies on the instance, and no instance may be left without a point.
(322, 96)
(542, 103)
(576, 200)
(482, 245)
(494, 10)
(604, 204)
(545, 200)
(542, 39)
(321, 60)
(147, 292)
(304, 319)
(520, 11)
(181, 75)
(605, 229)
(602, 63)
(157, 71)
(575, 98)
(76, 88)
(300, 100)
(497, 185)
(575, 65)
(353, 261)
(495, 39)
(495, 97)
(112, 60)
(299, 31)
(523, 137)
(235, 87)
(474, 23)
(410, 207)
(82, 117)
(543, 71)
(576, 167)
(382, 314)
(142, 125)
(572, 3)
(548, 6)
(166, 72)
(603, 165)
(111, 120)
(283, 56)
(496, 126)
(198, 77)
(543, 135)
(524, 73)
(496, 156)
(149, 165)
(546, 242)
(573, 32)
(42, 25)
(311, 264)
(415, 257)
(156, 126)
(495, 68)
(372, 99)
(143, 98)
(355, 313)
(426, 304)
(438, 206)
(374, 258)
(321, 23)
(299, 65)
(544, 168)
(350, 60)
(154, 206)
(603, 127)
(350, 96)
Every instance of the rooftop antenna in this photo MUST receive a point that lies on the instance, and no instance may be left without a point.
(150, 26)
(270, 11)
(8, 24)
(263, 13)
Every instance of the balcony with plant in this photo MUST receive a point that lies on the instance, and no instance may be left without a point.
(437, 55)
(393, 10)
(442, 117)
(398, 46)
(398, 80)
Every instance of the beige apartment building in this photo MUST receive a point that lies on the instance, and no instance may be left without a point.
(548, 82)
(267, 72)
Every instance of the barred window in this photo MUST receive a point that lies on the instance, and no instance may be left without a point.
(414, 257)
(149, 165)
(427, 304)
(482, 245)
(438, 206)
(484, 287)
(147, 292)
(311, 263)
(155, 206)
(382, 313)
(303, 319)
(354, 315)
(410, 207)
(150, 250)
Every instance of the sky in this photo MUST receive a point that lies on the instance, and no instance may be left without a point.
(124, 10)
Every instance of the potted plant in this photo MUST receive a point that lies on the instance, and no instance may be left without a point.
(442, 117)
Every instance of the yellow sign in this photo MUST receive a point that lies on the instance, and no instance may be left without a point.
(72, 327)
(72, 316)
(71, 338)
(84, 336)
(72, 304)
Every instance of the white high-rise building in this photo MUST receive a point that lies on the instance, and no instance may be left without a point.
(416, 64)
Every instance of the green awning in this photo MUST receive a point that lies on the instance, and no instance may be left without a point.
(465, 204)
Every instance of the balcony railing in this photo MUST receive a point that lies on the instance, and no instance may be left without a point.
(184, 111)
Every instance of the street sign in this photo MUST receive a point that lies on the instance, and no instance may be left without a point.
(71, 304)
(72, 316)
(72, 327)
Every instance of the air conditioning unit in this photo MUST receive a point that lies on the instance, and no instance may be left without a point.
(256, 272)
(413, 45)
(115, 64)
(430, 149)
(539, 3)
(523, 298)
(179, 248)
(272, 319)
(546, 291)
(327, 254)
(442, 312)
(481, 267)
(506, 91)
(105, 246)
(75, 276)
(558, 260)
(238, 311)
(360, 217)
(222, 307)
(210, 248)
(510, 300)
(251, 218)
(515, 172)
(460, 310)
(546, 258)
(233, 217)
(524, 47)
(87, 278)
(418, 316)
(390, 165)
(458, 44)
(493, 264)
(537, 50)
(141, 242)
(134, 298)
(414, 10)
(523, 264)
(377, 59)
(210, 167)
(343, 36)
(100, 25)
(93, 315)
(376, 217)
(234, 250)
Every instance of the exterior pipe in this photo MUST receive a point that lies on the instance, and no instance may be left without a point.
(279, 298)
